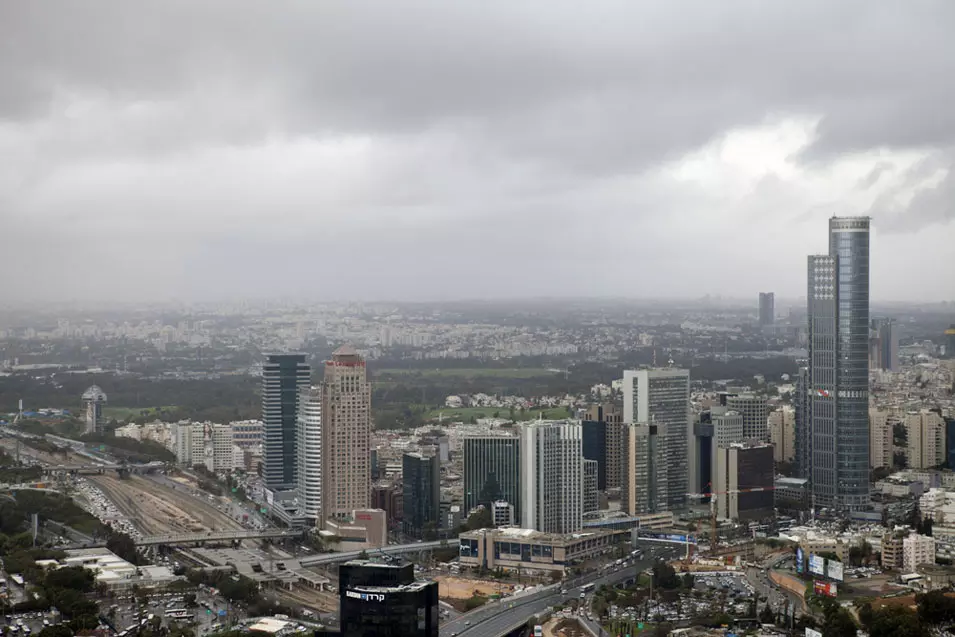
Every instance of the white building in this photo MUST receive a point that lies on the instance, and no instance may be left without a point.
(916, 550)
(309, 450)
(223, 458)
(552, 476)
(189, 443)
(131, 430)
(502, 513)
(661, 397)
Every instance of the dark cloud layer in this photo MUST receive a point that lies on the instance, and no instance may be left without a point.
(464, 148)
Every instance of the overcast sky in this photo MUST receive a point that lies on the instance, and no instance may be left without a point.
(460, 149)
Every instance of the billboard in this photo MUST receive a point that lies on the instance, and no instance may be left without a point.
(834, 570)
(800, 560)
(824, 588)
(817, 564)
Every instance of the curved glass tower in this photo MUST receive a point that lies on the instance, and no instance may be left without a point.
(838, 378)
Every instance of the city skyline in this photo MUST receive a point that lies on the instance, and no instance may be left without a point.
(286, 132)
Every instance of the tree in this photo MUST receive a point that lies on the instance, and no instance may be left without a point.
(838, 622)
(935, 608)
(766, 616)
(480, 519)
(896, 621)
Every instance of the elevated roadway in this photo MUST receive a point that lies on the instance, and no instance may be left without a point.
(396, 549)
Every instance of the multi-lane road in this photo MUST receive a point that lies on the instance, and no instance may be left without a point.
(500, 617)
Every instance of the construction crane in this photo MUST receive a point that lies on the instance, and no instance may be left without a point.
(714, 527)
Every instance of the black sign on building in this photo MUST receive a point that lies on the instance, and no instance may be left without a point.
(382, 599)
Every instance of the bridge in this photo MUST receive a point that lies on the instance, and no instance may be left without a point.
(215, 536)
(395, 549)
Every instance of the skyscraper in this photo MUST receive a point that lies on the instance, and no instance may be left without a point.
(602, 442)
(755, 412)
(309, 453)
(644, 472)
(552, 476)
(767, 308)
(661, 397)
(884, 345)
(383, 599)
(285, 377)
(94, 398)
(492, 472)
(591, 499)
(803, 460)
(782, 434)
(421, 479)
(838, 379)
(346, 434)
(744, 481)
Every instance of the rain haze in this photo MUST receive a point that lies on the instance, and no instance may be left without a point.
(441, 150)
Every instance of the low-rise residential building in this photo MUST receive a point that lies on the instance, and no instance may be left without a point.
(892, 551)
(916, 550)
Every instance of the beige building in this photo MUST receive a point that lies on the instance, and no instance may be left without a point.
(529, 550)
(782, 433)
(926, 439)
(892, 551)
(643, 487)
(917, 549)
(880, 439)
(346, 432)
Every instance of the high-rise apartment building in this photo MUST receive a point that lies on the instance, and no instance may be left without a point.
(591, 501)
(838, 382)
(917, 550)
(284, 378)
(949, 342)
(782, 434)
(346, 434)
(644, 471)
(602, 442)
(755, 412)
(552, 476)
(492, 472)
(880, 438)
(925, 434)
(661, 397)
(744, 482)
(767, 308)
(421, 476)
(223, 457)
(95, 399)
(884, 345)
(309, 454)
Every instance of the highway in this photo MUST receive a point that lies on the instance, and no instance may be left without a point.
(499, 618)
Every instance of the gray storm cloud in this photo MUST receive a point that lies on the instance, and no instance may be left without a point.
(459, 149)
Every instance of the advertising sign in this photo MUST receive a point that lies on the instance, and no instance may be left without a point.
(800, 561)
(824, 588)
(835, 570)
(365, 597)
(817, 564)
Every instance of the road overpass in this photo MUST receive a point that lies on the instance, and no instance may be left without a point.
(215, 536)
(395, 549)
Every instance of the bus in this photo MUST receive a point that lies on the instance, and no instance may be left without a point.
(179, 613)
(586, 588)
(538, 631)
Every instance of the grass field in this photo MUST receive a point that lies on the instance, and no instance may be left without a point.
(466, 413)
(490, 372)
(125, 413)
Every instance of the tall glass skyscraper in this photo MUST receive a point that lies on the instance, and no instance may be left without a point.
(492, 471)
(838, 380)
(285, 379)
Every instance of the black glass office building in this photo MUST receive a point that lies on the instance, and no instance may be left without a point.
(380, 599)
(285, 378)
(492, 472)
(838, 382)
(421, 484)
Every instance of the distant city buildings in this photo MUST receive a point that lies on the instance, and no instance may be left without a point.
(94, 399)
(285, 378)
(552, 476)
(838, 374)
(661, 397)
(346, 432)
(767, 309)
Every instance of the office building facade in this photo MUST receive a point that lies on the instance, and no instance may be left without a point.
(782, 434)
(838, 381)
(755, 412)
(644, 472)
(346, 434)
(767, 308)
(661, 397)
(803, 460)
(285, 378)
(884, 345)
(492, 472)
(591, 501)
(744, 482)
(880, 438)
(602, 442)
(421, 476)
(385, 600)
(309, 450)
(552, 476)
